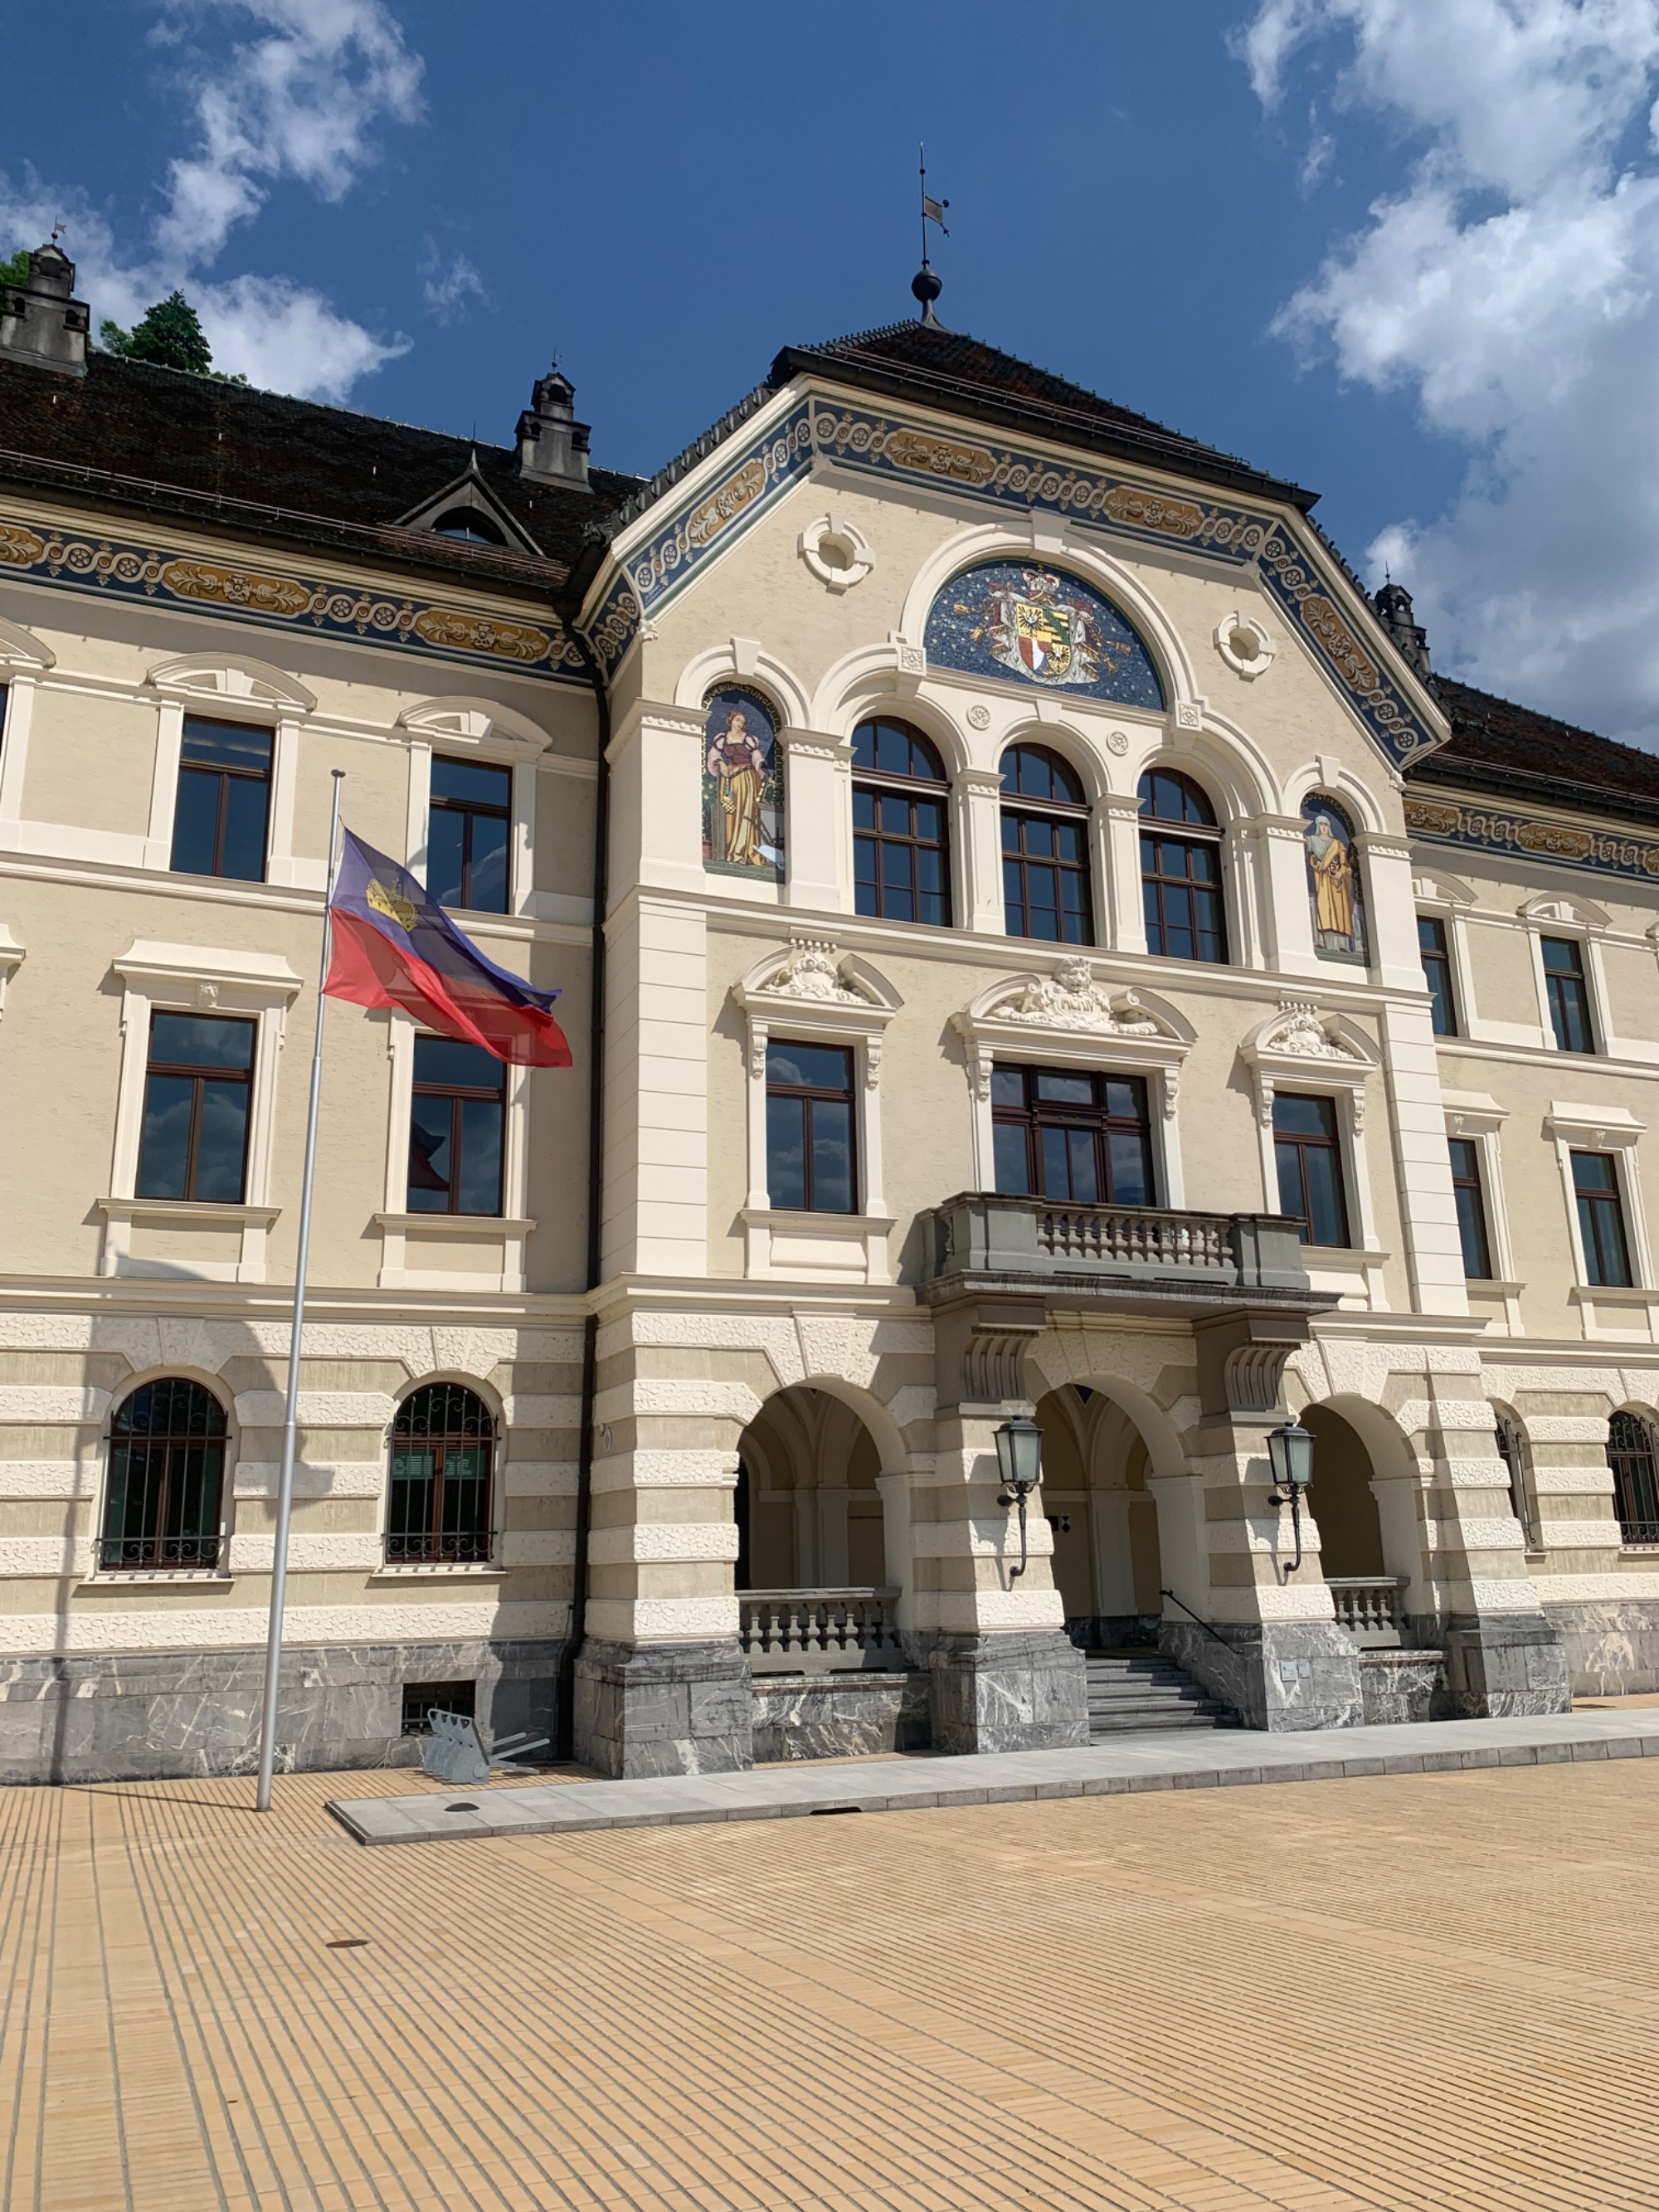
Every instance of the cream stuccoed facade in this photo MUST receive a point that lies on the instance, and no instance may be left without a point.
(742, 1497)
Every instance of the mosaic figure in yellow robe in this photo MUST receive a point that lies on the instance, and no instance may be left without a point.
(738, 766)
(1333, 880)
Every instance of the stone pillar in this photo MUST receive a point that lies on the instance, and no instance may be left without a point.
(817, 775)
(1611, 1639)
(662, 1686)
(1476, 1598)
(1118, 815)
(981, 820)
(1005, 1675)
(1267, 1641)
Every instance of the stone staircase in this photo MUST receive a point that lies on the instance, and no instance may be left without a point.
(1143, 1690)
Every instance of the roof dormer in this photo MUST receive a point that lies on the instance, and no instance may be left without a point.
(467, 510)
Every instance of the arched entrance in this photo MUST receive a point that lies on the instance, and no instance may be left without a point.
(809, 1511)
(1107, 1563)
(1353, 1555)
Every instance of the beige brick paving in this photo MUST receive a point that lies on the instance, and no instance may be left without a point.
(1434, 1991)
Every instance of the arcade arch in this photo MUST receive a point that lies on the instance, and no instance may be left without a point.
(1103, 1512)
(809, 1507)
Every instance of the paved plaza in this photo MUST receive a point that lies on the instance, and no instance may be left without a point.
(1432, 1990)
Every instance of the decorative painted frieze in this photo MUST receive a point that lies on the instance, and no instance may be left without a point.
(1495, 830)
(274, 597)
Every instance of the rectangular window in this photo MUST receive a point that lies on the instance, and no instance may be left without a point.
(1437, 973)
(899, 855)
(1601, 1220)
(223, 810)
(1471, 1208)
(811, 1166)
(1310, 1158)
(1569, 994)
(1180, 887)
(468, 826)
(197, 1089)
(455, 1126)
(1081, 1140)
(1045, 878)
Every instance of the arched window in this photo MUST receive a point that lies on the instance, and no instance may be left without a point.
(1181, 869)
(443, 1452)
(1635, 1483)
(166, 1473)
(901, 838)
(1335, 891)
(466, 522)
(1045, 849)
(1511, 1440)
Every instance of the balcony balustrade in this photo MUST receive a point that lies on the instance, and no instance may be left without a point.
(1169, 1253)
(818, 1631)
(1368, 1607)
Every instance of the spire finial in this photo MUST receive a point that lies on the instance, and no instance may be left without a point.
(924, 285)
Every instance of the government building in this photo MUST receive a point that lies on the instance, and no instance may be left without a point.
(1039, 945)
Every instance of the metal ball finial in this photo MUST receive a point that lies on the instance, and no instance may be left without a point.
(926, 286)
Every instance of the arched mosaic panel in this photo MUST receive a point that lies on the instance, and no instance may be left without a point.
(1016, 621)
(742, 786)
(1335, 891)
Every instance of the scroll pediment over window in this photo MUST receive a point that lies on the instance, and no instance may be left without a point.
(1301, 1045)
(1067, 1015)
(815, 990)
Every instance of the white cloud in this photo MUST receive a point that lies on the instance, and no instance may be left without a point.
(1511, 284)
(449, 284)
(299, 103)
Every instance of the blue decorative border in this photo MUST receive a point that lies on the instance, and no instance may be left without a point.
(277, 598)
(1482, 829)
(1007, 476)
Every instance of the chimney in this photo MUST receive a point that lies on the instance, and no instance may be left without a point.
(552, 444)
(41, 321)
(1393, 609)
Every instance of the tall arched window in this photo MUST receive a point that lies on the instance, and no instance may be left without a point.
(167, 1473)
(1635, 1483)
(1045, 849)
(901, 837)
(1512, 1450)
(443, 1452)
(1181, 869)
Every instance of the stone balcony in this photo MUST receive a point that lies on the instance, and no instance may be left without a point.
(1124, 1255)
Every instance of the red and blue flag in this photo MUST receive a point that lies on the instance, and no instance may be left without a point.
(395, 946)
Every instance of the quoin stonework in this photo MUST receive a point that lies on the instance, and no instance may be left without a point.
(1036, 939)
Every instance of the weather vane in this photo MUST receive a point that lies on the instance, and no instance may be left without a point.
(926, 286)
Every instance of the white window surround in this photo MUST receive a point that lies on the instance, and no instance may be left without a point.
(509, 1229)
(195, 980)
(12, 956)
(1576, 1127)
(500, 738)
(23, 661)
(1448, 899)
(100, 1577)
(1476, 1115)
(1066, 1019)
(1587, 923)
(1307, 1053)
(228, 689)
(814, 994)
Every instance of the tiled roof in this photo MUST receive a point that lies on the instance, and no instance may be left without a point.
(1518, 754)
(148, 439)
(921, 361)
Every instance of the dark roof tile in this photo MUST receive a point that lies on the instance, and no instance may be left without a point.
(1500, 747)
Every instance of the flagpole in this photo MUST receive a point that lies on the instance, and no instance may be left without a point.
(291, 1421)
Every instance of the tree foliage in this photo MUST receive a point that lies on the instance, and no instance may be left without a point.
(170, 336)
(16, 270)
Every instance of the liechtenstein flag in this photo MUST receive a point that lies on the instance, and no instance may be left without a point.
(394, 946)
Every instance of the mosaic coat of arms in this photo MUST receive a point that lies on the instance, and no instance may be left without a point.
(1011, 619)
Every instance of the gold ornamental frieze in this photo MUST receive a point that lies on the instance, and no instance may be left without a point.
(1358, 671)
(1149, 510)
(1483, 829)
(932, 456)
(262, 595)
(723, 507)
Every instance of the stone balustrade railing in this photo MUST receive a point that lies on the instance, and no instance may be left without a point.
(1212, 1257)
(818, 1631)
(1368, 1607)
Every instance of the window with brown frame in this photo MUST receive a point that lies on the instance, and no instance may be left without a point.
(812, 1163)
(1045, 890)
(1181, 869)
(1471, 1202)
(222, 817)
(443, 1451)
(167, 1469)
(1601, 1220)
(1309, 1160)
(901, 837)
(1635, 1481)
(457, 1118)
(1082, 1139)
(468, 831)
(197, 1086)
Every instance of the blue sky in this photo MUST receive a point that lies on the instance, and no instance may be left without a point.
(1398, 250)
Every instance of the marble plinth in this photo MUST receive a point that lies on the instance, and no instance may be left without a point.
(645, 1708)
(1404, 1685)
(1014, 1692)
(155, 1715)
(1274, 1674)
(839, 1715)
(1506, 1666)
(1611, 1646)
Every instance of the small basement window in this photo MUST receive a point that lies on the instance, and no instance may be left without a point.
(420, 1698)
